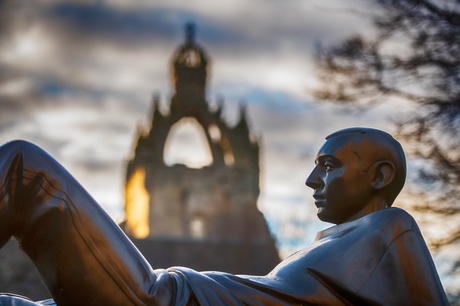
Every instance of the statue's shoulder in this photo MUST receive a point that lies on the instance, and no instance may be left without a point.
(397, 214)
(395, 219)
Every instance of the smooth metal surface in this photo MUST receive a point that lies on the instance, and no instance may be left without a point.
(374, 256)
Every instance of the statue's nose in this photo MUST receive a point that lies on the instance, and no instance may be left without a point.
(313, 181)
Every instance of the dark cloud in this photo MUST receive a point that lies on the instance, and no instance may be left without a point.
(15, 15)
(104, 21)
(82, 24)
(137, 25)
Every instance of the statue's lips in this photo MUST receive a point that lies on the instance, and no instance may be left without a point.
(320, 200)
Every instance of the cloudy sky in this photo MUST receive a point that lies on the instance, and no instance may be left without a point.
(77, 78)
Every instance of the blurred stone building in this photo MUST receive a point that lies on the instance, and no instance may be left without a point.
(204, 218)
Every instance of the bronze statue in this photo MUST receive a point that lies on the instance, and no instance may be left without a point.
(375, 255)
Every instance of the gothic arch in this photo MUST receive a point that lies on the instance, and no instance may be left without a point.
(193, 150)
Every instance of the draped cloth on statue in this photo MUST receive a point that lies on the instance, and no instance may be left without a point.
(379, 259)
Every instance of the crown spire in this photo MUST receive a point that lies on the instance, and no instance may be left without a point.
(190, 32)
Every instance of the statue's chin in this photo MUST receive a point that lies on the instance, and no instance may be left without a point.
(323, 215)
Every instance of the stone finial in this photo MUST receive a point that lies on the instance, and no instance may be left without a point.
(190, 32)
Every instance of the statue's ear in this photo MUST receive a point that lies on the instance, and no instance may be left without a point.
(383, 175)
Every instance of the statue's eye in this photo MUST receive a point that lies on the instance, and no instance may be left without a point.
(328, 166)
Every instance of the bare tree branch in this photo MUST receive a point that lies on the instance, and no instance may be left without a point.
(415, 56)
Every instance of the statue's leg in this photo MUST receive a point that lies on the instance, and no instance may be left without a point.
(82, 255)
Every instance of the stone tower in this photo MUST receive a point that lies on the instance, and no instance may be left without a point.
(210, 209)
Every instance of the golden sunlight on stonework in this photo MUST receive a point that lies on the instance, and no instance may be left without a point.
(137, 205)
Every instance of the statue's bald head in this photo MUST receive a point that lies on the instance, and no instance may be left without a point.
(372, 145)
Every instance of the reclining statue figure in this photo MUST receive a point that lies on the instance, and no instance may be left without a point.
(374, 255)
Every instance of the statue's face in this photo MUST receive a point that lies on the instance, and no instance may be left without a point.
(341, 183)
